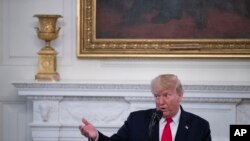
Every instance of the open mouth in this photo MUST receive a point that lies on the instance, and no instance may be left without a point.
(163, 109)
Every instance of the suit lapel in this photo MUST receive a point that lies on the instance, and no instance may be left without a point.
(183, 127)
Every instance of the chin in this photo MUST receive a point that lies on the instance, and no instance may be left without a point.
(166, 114)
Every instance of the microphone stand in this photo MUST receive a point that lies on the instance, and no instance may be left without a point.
(154, 119)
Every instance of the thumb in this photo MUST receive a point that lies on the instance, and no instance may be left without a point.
(85, 121)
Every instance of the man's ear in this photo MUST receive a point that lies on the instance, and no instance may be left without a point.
(181, 96)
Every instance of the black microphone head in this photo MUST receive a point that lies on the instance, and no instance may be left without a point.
(158, 115)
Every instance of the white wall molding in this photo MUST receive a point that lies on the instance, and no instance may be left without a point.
(23, 51)
(15, 121)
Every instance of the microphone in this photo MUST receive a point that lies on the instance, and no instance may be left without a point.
(156, 116)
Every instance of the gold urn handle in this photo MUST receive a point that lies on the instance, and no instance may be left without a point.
(38, 31)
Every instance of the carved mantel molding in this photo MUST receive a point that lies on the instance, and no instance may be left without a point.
(57, 107)
(79, 89)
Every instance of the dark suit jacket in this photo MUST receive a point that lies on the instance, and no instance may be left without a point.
(191, 128)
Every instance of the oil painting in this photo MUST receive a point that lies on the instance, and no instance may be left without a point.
(164, 28)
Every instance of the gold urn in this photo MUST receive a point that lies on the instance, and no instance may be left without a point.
(48, 31)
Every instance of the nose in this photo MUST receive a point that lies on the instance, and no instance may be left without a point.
(161, 100)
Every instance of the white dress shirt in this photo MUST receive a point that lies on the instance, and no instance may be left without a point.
(173, 125)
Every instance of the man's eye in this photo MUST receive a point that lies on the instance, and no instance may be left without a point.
(157, 96)
(165, 95)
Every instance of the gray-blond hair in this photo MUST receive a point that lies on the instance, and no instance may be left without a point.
(166, 80)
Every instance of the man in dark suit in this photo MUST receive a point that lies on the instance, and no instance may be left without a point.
(168, 93)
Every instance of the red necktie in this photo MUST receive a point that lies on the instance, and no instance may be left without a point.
(167, 135)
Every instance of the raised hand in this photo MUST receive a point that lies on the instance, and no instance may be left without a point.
(88, 130)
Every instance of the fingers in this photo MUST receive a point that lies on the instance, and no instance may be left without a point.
(80, 128)
(83, 127)
(83, 132)
(87, 129)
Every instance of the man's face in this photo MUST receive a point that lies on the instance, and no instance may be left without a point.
(167, 100)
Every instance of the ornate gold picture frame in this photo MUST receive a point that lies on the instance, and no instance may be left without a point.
(102, 33)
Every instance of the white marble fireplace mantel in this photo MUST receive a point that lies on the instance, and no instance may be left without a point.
(56, 108)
